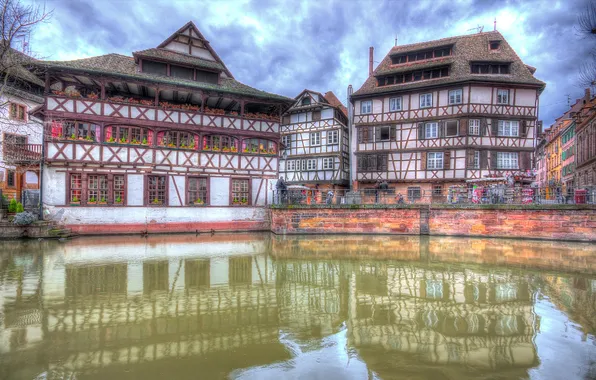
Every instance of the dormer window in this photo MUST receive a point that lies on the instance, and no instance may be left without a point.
(490, 68)
(494, 45)
(442, 51)
(182, 72)
(306, 101)
(151, 67)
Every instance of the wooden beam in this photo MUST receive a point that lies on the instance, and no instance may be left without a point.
(242, 102)
(218, 103)
(156, 97)
(203, 100)
(231, 106)
(46, 89)
(175, 96)
(144, 91)
(103, 90)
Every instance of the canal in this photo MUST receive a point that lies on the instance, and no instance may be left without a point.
(260, 306)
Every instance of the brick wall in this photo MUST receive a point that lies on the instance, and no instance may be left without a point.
(558, 223)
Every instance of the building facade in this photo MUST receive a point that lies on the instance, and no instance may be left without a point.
(166, 140)
(568, 156)
(439, 113)
(20, 133)
(586, 146)
(315, 146)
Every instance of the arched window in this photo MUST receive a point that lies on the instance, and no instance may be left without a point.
(75, 130)
(125, 134)
(178, 139)
(259, 146)
(217, 143)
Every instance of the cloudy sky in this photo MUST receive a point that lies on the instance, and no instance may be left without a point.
(286, 46)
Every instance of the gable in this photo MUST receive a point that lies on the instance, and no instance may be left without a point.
(308, 98)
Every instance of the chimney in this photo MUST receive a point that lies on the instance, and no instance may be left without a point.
(371, 53)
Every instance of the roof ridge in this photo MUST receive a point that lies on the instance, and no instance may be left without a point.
(445, 39)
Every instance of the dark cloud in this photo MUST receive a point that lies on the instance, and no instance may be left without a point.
(284, 47)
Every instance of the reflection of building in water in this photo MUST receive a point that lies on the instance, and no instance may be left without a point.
(484, 320)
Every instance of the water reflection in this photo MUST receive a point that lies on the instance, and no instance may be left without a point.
(261, 306)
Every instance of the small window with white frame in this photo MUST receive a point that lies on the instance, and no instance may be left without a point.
(366, 106)
(328, 163)
(426, 100)
(476, 163)
(431, 130)
(508, 128)
(456, 96)
(474, 127)
(332, 137)
(315, 138)
(311, 164)
(395, 104)
(507, 160)
(502, 96)
(286, 140)
(290, 165)
(434, 160)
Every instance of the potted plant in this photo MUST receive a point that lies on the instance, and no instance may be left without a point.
(156, 202)
(75, 200)
(111, 139)
(134, 141)
(244, 201)
(225, 149)
(146, 102)
(73, 137)
(123, 140)
(92, 95)
(235, 201)
(234, 149)
(102, 201)
(118, 200)
(144, 142)
(89, 138)
(199, 201)
(92, 201)
(191, 145)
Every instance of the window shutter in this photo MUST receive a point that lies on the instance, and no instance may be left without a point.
(441, 126)
(382, 162)
(470, 160)
(392, 132)
(463, 127)
(483, 159)
(372, 162)
(286, 119)
(360, 135)
(420, 131)
(525, 161)
(493, 160)
(361, 163)
(483, 127)
(523, 128)
(423, 160)
(377, 133)
(316, 115)
(494, 127)
(447, 160)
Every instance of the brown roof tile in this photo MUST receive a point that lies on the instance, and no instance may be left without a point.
(335, 102)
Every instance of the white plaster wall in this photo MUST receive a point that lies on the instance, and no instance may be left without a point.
(525, 97)
(177, 182)
(54, 187)
(219, 191)
(32, 129)
(135, 191)
(377, 106)
(480, 95)
(327, 113)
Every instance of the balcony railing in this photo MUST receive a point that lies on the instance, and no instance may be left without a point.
(21, 153)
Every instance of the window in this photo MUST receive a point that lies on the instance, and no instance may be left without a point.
(383, 133)
(11, 178)
(311, 164)
(474, 127)
(178, 139)
(76, 188)
(18, 112)
(291, 165)
(372, 163)
(483, 68)
(306, 101)
(426, 100)
(494, 45)
(286, 141)
(97, 189)
(152, 67)
(11, 138)
(181, 72)
(128, 135)
(437, 190)
(197, 191)
(414, 193)
(451, 128)
(431, 130)
(259, 146)
(366, 106)
(207, 77)
(156, 190)
(455, 96)
(438, 52)
(412, 76)
(502, 96)
(508, 128)
(395, 104)
(218, 143)
(76, 130)
(332, 137)
(476, 162)
(434, 160)
(240, 192)
(507, 160)
(118, 190)
(316, 115)
(328, 163)
(315, 138)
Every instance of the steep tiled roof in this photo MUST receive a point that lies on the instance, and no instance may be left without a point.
(335, 102)
(125, 67)
(466, 49)
(172, 56)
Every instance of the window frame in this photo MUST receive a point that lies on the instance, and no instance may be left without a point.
(365, 107)
(426, 96)
(500, 93)
(84, 189)
(328, 163)
(395, 101)
(437, 157)
(414, 193)
(10, 172)
(286, 140)
(476, 162)
(333, 137)
(476, 127)
(507, 126)
(205, 195)
(18, 107)
(291, 165)
(248, 192)
(249, 147)
(148, 200)
(456, 92)
(310, 161)
(456, 128)
(501, 160)
(312, 139)
(426, 130)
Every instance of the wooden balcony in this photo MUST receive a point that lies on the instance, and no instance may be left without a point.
(19, 154)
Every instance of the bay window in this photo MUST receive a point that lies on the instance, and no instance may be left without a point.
(222, 143)
(259, 146)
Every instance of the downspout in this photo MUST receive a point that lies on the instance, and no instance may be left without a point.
(350, 117)
(43, 153)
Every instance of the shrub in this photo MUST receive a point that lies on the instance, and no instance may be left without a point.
(24, 218)
(20, 207)
(12, 206)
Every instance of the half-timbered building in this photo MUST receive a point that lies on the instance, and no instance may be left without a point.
(158, 140)
(315, 146)
(442, 112)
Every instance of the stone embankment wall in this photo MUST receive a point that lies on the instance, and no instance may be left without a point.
(547, 222)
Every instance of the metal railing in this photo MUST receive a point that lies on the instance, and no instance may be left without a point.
(454, 196)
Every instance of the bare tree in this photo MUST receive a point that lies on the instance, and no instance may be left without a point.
(586, 21)
(586, 26)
